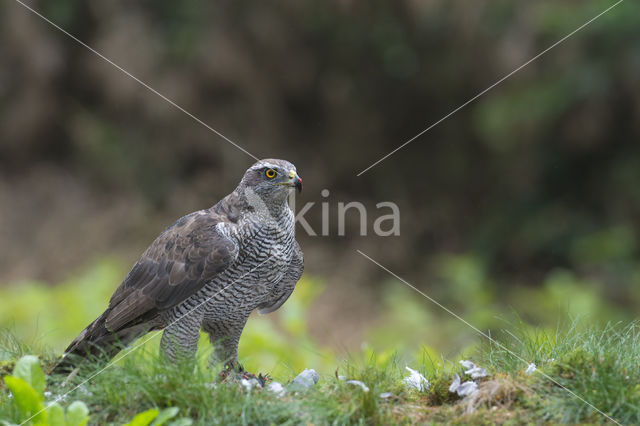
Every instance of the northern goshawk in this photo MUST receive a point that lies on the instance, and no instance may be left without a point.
(208, 270)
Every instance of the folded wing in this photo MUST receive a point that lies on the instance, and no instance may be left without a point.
(178, 263)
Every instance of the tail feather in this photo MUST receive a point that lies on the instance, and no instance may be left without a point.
(96, 341)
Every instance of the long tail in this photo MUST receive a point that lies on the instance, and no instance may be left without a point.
(96, 341)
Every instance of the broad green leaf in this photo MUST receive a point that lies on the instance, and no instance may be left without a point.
(77, 414)
(28, 369)
(55, 415)
(26, 398)
(144, 418)
(182, 421)
(166, 414)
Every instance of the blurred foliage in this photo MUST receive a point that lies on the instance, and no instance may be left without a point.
(408, 328)
(54, 315)
(526, 200)
(27, 384)
(543, 161)
(407, 320)
(279, 343)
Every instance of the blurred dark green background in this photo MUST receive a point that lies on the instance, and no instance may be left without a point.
(527, 201)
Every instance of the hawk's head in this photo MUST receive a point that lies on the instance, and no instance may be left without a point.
(272, 179)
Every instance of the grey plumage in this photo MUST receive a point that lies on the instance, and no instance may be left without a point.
(208, 270)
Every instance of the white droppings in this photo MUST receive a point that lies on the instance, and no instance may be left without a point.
(463, 389)
(531, 368)
(250, 384)
(467, 388)
(455, 384)
(473, 370)
(276, 388)
(359, 384)
(415, 380)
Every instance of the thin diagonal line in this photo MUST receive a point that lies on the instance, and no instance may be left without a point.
(491, 87)
(142, 83)
(112, 362)
(551, 379)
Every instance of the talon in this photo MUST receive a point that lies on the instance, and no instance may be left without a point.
(223, 375)
(264, 379)
(234, 366)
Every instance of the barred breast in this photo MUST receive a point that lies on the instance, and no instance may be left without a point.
(264, 253)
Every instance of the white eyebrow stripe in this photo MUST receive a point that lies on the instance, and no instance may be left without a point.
(261, 165)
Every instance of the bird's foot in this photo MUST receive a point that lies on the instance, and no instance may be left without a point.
(237, 372)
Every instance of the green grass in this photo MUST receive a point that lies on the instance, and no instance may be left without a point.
(602, 366)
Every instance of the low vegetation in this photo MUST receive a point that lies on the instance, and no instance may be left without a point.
(531, 376)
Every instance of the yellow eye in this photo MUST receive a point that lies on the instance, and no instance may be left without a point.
(270, 173)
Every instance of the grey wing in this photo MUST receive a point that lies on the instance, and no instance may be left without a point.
(286, 285)
(178, 263)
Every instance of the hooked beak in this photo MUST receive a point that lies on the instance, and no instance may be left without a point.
(297, 183)
(294, 181)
